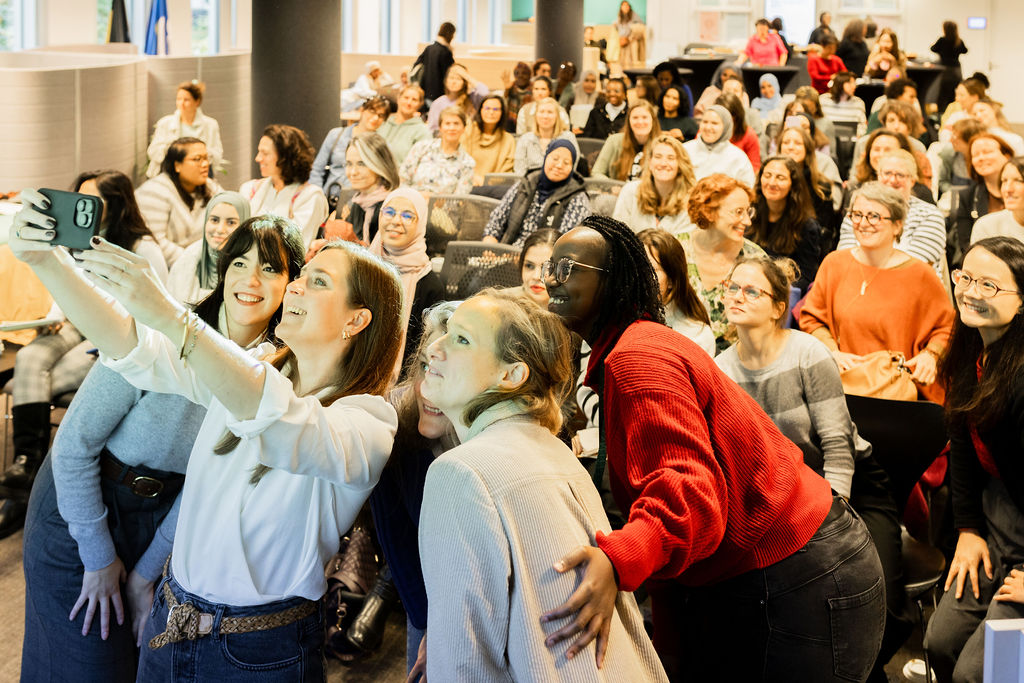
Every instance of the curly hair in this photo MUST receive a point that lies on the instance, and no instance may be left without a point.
(905, 113)
(707, 196)
(194, 88)
(294, 152)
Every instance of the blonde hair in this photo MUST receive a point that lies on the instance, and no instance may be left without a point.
(647, 197)
(906, 159)
(559, 126)
(375, 153)
(537, 338)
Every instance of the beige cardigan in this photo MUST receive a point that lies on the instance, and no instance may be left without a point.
(492, 154)
(498, 512)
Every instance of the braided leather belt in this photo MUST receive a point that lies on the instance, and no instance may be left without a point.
(185, 622)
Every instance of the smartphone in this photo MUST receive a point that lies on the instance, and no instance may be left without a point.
(77, 217)
(794, 122)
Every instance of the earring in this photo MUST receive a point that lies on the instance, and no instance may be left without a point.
(345, 335)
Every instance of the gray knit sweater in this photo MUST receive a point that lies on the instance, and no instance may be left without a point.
(803, 395)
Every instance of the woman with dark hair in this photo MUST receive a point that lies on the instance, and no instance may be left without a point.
(658, 199)
(743, 137)
(967, 92)
(764, 48)
(500, 375)
(460, 90)
(982, 372)
(486, 140)
(552, 196)
(841, 103)
(329, 165)
(671, 116)
(194, 275)
(784, 223)
(517, 91)
(536, 252)
(115, 474)
(646, 88)
(684, 311)
(1010, 221)
(565, 88)
(987, 154)
(885, 55)
(57, 360)
(949, 47)
(285, 157)
(188, 120)
(173, 203)
(623, 155)
(852, 48)
(687, 451)
(880, 143)
(667, 75)
(290, 448)
(822, 178)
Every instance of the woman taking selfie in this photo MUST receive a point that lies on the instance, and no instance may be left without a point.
(307, 430)
(117, 466)
(500, 375)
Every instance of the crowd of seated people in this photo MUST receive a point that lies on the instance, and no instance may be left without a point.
(675, 269)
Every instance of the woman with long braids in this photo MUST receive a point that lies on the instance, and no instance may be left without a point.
(722, 511)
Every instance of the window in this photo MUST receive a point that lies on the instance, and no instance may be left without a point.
(205, 27)
(9, 22)
(102, 19)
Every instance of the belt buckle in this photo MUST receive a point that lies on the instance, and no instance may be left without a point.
(205, 623)
(146, 487)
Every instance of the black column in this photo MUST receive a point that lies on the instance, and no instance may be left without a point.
(296, 66)
(559, 32)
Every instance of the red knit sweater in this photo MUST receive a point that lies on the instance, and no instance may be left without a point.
(713, 488)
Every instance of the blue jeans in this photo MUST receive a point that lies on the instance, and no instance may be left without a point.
(291, 653)
(54, 648)
(814, 616)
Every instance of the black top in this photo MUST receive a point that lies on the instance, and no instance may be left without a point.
(949, 54)
(854, 55)
(686, 125)
(807, 253)
(436, 59)
(429, 291)
(819, 33)
(969, 204)
(600, 126)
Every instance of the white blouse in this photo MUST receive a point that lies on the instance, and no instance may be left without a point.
(241, 544)
(304, 203)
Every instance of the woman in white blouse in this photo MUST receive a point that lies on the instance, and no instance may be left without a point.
(285, 156)
(173, 203)
(293, 442)
(188, 120)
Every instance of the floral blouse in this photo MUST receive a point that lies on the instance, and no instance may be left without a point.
(725, 333)
(428, 169)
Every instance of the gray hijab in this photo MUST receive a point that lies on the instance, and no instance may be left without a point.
(726, 136)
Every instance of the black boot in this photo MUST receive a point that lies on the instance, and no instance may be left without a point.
(367, 631)
(31, 427)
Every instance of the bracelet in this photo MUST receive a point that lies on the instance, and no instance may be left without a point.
(186, 320)
(199, 326)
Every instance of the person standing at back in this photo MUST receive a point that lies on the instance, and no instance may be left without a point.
(436, 58)
(823, 29)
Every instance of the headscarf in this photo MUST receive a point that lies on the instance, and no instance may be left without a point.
(412, 262)
(206, 269)
(371, 66)
(726, 136)
(582, 97)
(546, 186)
(767, 104)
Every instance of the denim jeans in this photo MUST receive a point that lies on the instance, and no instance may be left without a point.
(292, 653)
(814, 616)
(54, 648)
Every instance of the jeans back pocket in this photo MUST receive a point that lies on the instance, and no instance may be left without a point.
(857, 622)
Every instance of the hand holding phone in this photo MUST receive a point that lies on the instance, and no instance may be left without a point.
(77, 217)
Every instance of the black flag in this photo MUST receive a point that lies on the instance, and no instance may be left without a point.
(117, 27)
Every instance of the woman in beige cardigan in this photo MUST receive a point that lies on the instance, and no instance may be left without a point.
(486, 140)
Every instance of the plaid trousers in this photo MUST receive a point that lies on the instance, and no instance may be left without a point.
(51, 365)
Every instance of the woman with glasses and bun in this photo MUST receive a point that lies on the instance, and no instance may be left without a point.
(740, 536)
(876, 297)
(982, 372)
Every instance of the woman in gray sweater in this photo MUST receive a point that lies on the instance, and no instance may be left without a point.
(114, 475)
(499, 509)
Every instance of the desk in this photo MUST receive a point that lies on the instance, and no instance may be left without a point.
(869, 91)
(927, 77)
(703, 67)
(752, 74)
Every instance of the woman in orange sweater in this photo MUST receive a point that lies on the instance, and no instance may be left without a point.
(875, 297)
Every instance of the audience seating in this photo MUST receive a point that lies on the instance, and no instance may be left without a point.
(506, 179)
(456, 217)
(923, 568)
(472, 266)
(846, 142)
(590, 148)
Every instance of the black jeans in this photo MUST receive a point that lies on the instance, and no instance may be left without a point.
(815, 616)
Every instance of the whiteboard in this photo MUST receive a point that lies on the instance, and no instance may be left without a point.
(798, 18)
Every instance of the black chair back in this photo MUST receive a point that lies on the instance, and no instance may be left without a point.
(590, 148)
(456, 217)
(906, 437)
(472, 266)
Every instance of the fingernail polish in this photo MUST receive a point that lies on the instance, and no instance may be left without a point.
(50, 234)
(95, 241)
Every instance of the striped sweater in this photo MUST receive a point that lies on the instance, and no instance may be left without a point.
(173, 224)
(924, 234)
(803, 395)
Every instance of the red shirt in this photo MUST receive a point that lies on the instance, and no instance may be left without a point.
(821, 70)
(751, 146)
(765, 53)
(712, 487)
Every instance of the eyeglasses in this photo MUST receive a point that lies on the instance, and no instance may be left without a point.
(747, 211)
(389, 213)
(872, 217)
(561, 270)
(886, 175)
(198, 159)
(750, 292)
(986, 288)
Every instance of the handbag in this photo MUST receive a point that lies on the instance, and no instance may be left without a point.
(350, 574)
(882, 374)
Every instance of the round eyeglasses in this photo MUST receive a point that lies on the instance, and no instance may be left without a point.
(986, 288)
(562, 269)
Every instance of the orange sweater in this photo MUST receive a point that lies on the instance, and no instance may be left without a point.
(901, 309)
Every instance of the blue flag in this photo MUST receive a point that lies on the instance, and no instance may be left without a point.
(157, 26)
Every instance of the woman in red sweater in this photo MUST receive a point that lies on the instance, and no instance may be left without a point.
(752, 563)
(743, 136)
